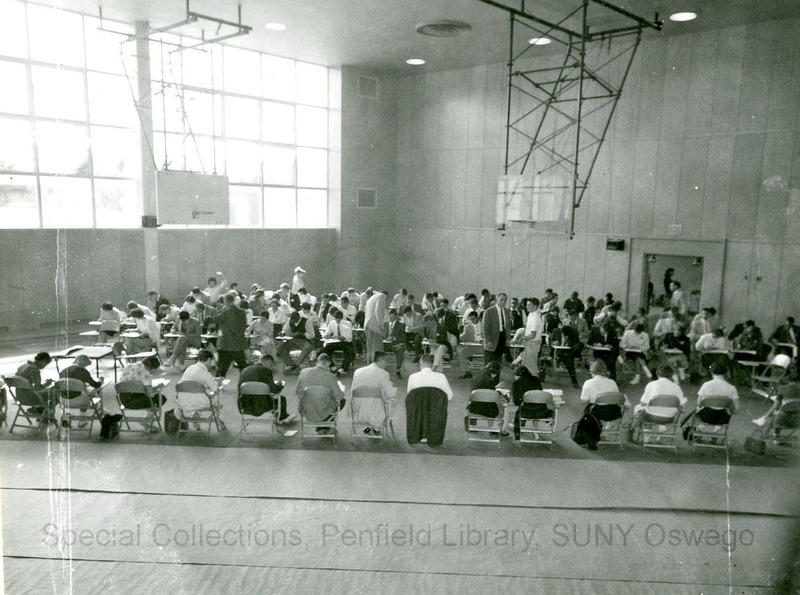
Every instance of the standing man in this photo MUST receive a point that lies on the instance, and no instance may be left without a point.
(232, 324)
(374, 317)
(532, 336)
(496, 329)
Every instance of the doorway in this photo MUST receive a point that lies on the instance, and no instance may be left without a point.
(687, 270)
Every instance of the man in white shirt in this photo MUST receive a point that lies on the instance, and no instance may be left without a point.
(338, 336)
(662, 386)
(678, 300)
(369, 410)
(718, 386)
(149, 333)
(427, 377)
(189, 403)
(471, 343)
(713, 347)
(532, 337)
(277, 316)
(348, 309)
(701, 324)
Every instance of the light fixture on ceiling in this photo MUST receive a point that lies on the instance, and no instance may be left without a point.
(683, 17)
(442, 28)
(275, 26)
(539, 40)
(415, 61)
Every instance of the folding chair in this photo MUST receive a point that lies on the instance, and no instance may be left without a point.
(107, 331)
(133, 397)
(362, 400)
(709, 435)
(482, 428)
(31, 404)
(3, 402)
(765, 384)
(312, 400)
(657, 431)
(257, 406)
(77, 403)
(784, 428)
(537, 430)
(611, 432)
(191, 390)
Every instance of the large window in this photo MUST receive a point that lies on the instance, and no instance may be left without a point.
(259, 119)
(70, 148)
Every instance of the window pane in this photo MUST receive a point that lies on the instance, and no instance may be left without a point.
(56, 36)
(102, 47)
(63, 148)
(200, 154)
(110, 100)
(243, 162)
(278, 122)
(241, 71)
(167, 108)
(19, 205)
(198, 67)
(312, 126)
(280, 207)
(279, 166)
(173, 158)
(115, 152)
(16, 145)
(241, 118)
(13, 39)
(312, 168)
(277, 75)
(117, 204)
(200, 112)
(66, 202)
(312, 84)
(164, 62)
(312, 208)
(58, 93)
(245, 206)
(14, 98)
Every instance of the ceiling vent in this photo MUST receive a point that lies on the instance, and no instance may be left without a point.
(443, 28)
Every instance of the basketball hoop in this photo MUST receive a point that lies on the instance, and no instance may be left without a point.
(519, 230)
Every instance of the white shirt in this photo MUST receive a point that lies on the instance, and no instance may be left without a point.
(711, 342)
(192, 401)
(718, 387)
(535, 324)
(656, 388)
(376, 377)
(597, 385)
(427, 377)
(148, 326)
(633, 340)
(277, 316)
(343, 328)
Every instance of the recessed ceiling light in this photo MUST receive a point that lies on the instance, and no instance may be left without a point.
(539, 41)
(682, 17)
(415, 61)
(275, 26)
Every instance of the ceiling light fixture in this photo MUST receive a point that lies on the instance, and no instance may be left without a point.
(442, 28)
(540, 41)
(275, 26)
(415, 61)
(682, 17)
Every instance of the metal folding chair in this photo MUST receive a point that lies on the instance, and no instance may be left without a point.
(77, 404)
(133, 397)
(661, 432)
(368, 397)
(611, 432)
(707, 435)
(482, 428)
(249, 393)
(310, 394)
(31, 404)
(538, 430)
(206, 414)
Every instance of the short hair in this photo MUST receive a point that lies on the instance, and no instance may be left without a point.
(394, 310)
(502, 293)
(790, 319)
(230, 298)
(267, 358)
(411, 296)
(324, 359)
(131, 304)
(264, 314)
(379, 355)
(534, 301)
(750, 323)
(524, 371)
(407, 309)
(259, 292)
(302, 290)
(305, 306)
(136, 313)
(82, 361)
(204, 355)
(444, 301)
(152, 362)
(719, 368)
(472, 314)
(190, 299)
(244, 304)
(639, 328)
(284, 286)
(665, 371)
(426, 361)
(184, 315)
(151, 292)
(201, 306)
(196, 290)
(344, 298)
(493, 367)
(599, 368)
(337, 313)
(43, 357)
(719, 332)
(106, 306)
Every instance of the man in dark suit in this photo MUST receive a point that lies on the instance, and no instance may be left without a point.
(496, 329)
(262, 372)
(515, 315)
(394, 333)
(447, 327)
(189, 330)
(232, 323)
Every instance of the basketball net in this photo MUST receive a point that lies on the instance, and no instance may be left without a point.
(519, 230)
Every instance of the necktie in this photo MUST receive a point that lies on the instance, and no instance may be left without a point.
(502, 320)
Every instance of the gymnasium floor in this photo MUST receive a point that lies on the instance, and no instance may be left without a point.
(235, 513)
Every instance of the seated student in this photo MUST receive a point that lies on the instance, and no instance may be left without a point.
(471, 343)
(662, 386)
(78, 370)
(524, 381)
(190, 403)
(109, 312)
(32, 372)
(786, 392)
(677, 339)
(636, 343)
(202, 296)
(322, 307)
(665, 325)
(413, 323)
(400, 300)
(375, 376)
(787, 334)
(305, 298)
(339, 333)
(411, 303)
(320, 374)
(448, 326)
(153, 301)
(277, 316)
(597, 385)
(607, 335)
(307, 312)
(301, 337)
(712, 347)
(189, 330)
(131, 306)
(347, 309)
(149, 334)
(488, 379)
(263, 372)
(701, 324)
(258, 303)
(394, 333)
(750, 339)
(580, 325)
(430, 331)
(716, 387)
(590, 311)
(428, 377)
(639, 318)
(567, 336)
(190, 304)
(169, 313)
(141, 372)
(262, 332)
